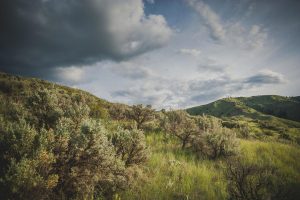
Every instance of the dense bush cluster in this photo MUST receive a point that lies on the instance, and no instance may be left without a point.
(139, 114)
(205, 135)
(215, 141)
(51, 148)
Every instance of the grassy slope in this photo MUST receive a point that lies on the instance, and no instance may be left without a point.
(19, 88)
(256, 106)
(16, 85)
(256, 113)
(175, 174)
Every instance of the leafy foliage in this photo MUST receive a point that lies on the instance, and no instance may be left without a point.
(214, 140)
(141, 114)
(180, 125)
(130, 146)
(52, 148)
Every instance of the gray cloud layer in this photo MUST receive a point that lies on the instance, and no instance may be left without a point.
(265, 77)
(162, 92)
(38, 35)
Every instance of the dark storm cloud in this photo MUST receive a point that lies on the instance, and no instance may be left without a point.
(38, 35)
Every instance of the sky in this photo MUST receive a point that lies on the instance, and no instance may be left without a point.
(167, 53)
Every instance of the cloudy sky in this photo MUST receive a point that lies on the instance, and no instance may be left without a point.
(168, 53)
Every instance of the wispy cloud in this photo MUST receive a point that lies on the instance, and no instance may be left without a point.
(212, 20)
(131, 70)
(163, 92)
(190, 52)
(229, 32)
(210, 65)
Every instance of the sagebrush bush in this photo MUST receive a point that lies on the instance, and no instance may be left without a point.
(215, 140)
(180, 125)
(140, 114)
(130, 146)
(248, 181)
(51, 148)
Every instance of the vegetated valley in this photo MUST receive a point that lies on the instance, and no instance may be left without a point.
(63, 143)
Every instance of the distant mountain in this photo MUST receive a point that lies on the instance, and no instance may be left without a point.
(264, 116)
(253, 107)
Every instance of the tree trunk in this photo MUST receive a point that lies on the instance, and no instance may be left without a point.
(183, 144)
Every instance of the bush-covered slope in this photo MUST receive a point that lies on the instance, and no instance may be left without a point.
(19, 88)
(264, 116)
(63, 143)
(60, 143)
(279, 106)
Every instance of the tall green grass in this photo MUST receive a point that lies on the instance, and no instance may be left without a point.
(285, 157)
(176, 174)
(172, 173)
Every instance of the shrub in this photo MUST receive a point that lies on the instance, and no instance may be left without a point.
(179, 124)
(215, 141)
(118, 111)
(44, 107)
(130, 146)
(244, 131)
(52, 149)
(141, 114)
(25, 163)
(248, 181)
(86, 160)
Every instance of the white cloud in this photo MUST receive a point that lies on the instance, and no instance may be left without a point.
(212, 20)
(230, 33)
(131, 30)
(70, 74)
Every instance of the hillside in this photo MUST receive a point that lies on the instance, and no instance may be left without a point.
(58, 142)
(19, 88)
(279, 106)
(265, 116)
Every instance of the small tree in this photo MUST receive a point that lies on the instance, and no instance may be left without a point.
(141, 114)
(181, 125)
